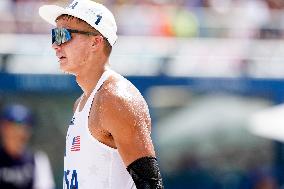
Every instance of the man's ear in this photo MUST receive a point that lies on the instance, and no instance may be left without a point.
(97, 41)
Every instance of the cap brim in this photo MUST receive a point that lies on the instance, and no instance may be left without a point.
(50, 12)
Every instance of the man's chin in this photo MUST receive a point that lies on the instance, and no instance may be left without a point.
(66, 70)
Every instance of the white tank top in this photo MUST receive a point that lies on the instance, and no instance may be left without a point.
(89, 163)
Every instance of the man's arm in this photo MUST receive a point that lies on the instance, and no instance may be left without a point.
(126, 117)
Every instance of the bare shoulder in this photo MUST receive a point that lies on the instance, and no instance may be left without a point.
(123, 105)
(125, 116)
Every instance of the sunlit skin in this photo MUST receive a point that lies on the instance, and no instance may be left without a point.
(119, 115)
(14, 138)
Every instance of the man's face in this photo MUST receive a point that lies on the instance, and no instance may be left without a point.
(73, 54)
(14, 137)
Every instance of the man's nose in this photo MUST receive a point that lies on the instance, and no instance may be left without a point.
(55, 46)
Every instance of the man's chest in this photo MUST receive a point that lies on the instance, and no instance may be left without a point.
(87, 128)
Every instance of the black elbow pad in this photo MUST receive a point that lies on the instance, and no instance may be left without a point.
(145, 173)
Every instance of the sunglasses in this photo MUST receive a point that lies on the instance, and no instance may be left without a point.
(63, 35)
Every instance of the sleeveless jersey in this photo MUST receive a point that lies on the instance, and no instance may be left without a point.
(89, 163)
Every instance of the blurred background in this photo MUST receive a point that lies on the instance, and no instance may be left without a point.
(211, 71)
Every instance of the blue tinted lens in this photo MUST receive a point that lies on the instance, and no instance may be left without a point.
(52, 36)
(60, 35)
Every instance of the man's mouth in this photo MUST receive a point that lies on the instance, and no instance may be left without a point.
(61, 58)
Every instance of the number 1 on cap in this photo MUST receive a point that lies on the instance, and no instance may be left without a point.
(72, 6)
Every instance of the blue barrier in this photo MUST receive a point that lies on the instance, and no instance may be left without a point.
(46, 83)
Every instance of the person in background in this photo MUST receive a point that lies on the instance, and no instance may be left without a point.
(20, 168)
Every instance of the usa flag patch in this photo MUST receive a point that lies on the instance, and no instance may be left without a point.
(76, 144)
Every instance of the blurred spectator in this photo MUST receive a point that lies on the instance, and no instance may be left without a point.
(24, 15)
(275, 4)
(185, 23)
(273, 27)
(20, 168)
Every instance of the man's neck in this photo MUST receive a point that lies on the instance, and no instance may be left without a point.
(88, 81)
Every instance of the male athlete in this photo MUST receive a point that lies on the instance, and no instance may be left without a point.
(108, 144)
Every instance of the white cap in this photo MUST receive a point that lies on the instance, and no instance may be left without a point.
(95, 14)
